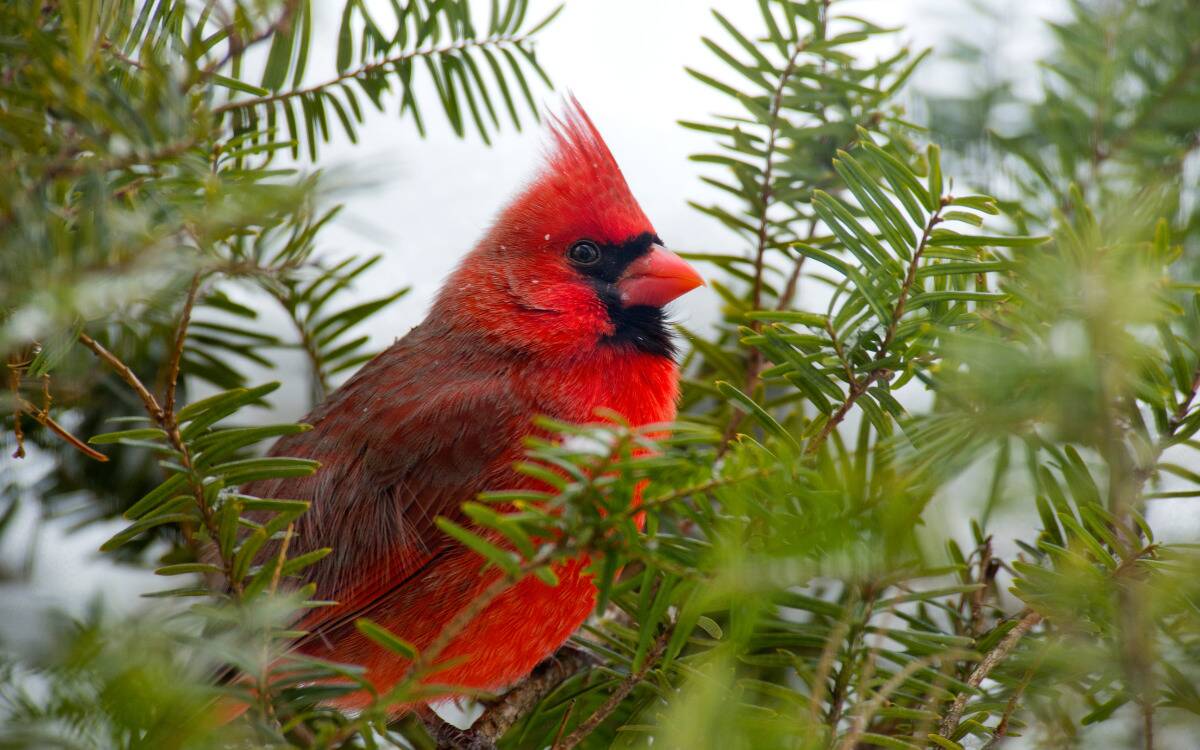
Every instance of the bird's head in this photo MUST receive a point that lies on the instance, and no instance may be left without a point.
(573, 262)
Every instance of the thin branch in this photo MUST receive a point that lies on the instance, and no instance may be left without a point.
(169, 425)
(789, 290)
(1181, 411)
(369, 68)
(614, 701)
(14, 384)
(825, 663)
(1001, 730)
(152, 408)
(319, 384)
(185, 318)
(868, 710)
(514, 705)
(877, 372)
(767, 193)
(237, 46)
(113, 50)
(762, 233)
(989, 662)
(45, 420)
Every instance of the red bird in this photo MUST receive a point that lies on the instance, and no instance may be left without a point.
(557, 311)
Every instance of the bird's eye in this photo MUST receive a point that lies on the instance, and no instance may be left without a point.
(584, 253)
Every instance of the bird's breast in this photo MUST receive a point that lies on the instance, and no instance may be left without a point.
(641, 387)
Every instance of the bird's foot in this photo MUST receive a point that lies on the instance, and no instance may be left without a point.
(502, 713)
(449, 737)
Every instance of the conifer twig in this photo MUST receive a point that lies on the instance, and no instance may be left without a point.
(458, 46)
(588, 725)
(857, 389)
(984, 668)
(45, 420)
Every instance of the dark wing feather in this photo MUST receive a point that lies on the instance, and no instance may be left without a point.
(423, 427)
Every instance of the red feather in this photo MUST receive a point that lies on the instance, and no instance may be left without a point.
(441, 415)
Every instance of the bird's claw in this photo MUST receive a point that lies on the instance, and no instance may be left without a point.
(449, 737)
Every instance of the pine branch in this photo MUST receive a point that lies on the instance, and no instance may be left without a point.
(755, 363)
(984, 668)
(766, 194)
(365, 70)
(861, 386)
(43, 418)
(614, 701)
(172, 378)
(168, 423)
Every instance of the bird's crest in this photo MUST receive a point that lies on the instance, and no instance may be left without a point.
(584, 176)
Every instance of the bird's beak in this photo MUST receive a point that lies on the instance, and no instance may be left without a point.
(656, 278)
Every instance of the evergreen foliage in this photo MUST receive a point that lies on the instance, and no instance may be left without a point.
(897, 354)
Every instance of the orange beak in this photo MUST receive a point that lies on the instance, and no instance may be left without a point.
(656, 278)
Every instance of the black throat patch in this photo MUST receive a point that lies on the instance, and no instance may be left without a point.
(643, 327)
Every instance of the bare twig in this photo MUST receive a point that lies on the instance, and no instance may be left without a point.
(45, 420)
(989, 662)
(185, 318)
(152, 408)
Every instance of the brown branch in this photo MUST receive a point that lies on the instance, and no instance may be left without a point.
(45, 420)
(825, 663)
(319, 384)
(113, 50)
(167, 421)
(15, 367)
(152, 408)
(754, 366)
(789, 289)
(185, 318)
(1182, 410)
(1001, 730)
(767, 193)
(868, 709)
(614, 701)
(238, 46)
(989, 662)
(841, 685)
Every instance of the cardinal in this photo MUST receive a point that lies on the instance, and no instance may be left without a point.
(557, 311)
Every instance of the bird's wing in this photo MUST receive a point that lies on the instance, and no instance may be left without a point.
(413, 435)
